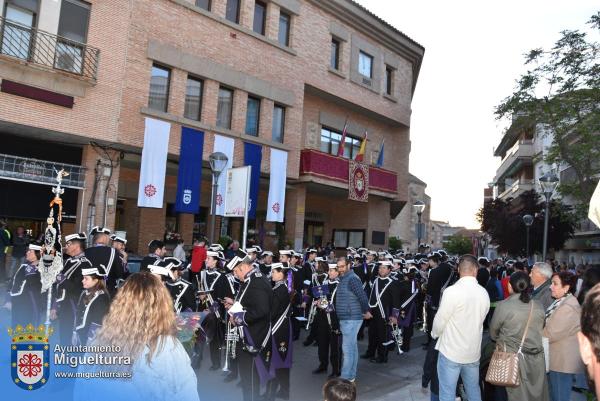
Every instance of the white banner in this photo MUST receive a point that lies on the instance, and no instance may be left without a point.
(594, 212)
(225, 145)
(154, 163)
(236, 191)
(276, 203)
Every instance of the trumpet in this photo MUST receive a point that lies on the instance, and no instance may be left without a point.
(397, 336)
(231, 339)
(321, 303)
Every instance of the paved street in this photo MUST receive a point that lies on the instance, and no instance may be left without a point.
(398, 380)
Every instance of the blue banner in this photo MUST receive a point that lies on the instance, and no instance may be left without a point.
(253, 157)
(190, 171)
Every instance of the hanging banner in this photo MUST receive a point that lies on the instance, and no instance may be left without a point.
(236, 191)
(190, 171)
(278, 172)
(594, 212)
(225, 145)
(253, 157)
(154, 163)
(358, 181)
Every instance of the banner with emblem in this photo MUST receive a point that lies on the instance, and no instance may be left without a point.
(154, 163)
(358, 181)
(189, 175)
(225, 145)
(278, 174)
(253, 157)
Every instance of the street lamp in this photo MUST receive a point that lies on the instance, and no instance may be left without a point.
(548, 182)
(528, 220)
(218, 162)
(419, 206)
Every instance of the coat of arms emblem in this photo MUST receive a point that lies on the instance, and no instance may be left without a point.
(30, 356)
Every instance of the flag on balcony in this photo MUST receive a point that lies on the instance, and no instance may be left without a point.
(343, 141)
(225, 145)
(363, 147)
(189, 175)
(380, 157)
(594, 212)
(154, 163)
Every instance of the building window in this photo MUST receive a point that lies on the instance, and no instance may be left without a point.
(224, 108)
(346, 238)
(278, 123)
(205, 4)
(72, 25)
(193, 99)
(330, 143)
(159, 88)
(365, 64)
(252, 116)
(232, 12)
(335, 54)
(284, 29)
(389, 80)
(17, 37)
(260, 16)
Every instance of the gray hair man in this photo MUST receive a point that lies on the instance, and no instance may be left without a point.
(541, 275)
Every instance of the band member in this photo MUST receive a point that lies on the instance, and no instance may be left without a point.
(310, 265)
(213, 287)
(251, 314)
(265, 263)
(381, 301)
(297, 277)
(281, 341)
(68, 286)
(329, 336)
(25, 293)
(101, 254)
(93, 304)
(408, 291)
(253, 253)
(439, 278)
(156, 253)
(170, 270)
(317, 278)
(119, 244)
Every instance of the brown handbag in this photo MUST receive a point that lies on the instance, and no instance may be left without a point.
(503, 369)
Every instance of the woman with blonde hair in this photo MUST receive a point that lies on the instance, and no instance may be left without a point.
(140, 325)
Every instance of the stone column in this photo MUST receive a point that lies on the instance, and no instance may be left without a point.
(151, 226)
(185, 223)
(295, 200)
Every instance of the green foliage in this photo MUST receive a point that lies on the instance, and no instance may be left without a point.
(457, 245)
(561, 92)
(225, 241)
(503, 221)
(395, 243)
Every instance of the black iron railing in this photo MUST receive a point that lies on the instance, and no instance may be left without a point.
(43, 48)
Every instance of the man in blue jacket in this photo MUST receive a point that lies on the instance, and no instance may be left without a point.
(352, 306)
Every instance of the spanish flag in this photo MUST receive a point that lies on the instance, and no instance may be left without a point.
(363, 146)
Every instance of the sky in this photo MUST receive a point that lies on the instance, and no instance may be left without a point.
(473, 56)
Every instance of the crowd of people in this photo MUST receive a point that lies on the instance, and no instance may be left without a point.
(255, 303)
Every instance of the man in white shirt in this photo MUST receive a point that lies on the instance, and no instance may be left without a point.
(179, 251)
(458, 325)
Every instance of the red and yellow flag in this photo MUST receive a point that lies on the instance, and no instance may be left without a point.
(361, 152)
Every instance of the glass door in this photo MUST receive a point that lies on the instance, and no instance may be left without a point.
(17, 35)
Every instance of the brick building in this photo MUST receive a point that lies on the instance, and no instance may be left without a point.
(79, 78)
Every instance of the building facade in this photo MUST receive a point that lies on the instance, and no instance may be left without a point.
(404, 226)
(282, 74)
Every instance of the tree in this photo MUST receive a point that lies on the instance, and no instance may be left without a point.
(561, 92)
(395, 243)
(457, 245)
(503, 221)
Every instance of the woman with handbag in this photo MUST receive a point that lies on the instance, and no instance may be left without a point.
(517, 329)
(562, 325)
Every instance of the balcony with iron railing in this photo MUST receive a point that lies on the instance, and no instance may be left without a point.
(33, 46)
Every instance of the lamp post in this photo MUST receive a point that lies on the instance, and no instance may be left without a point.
(548, 182)
(419, 206)
(218, 162)
(528, 220)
